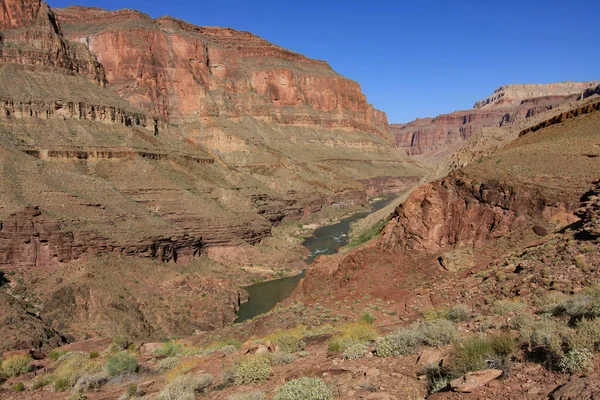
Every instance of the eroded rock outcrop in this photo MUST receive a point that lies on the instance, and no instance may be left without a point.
(182, 71)
(590, 212)
(30, 34)
(458, 211)
(29, 239)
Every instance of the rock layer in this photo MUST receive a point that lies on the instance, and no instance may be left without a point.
(182, 71)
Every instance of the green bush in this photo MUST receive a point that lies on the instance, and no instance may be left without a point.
(351, 334)
(56, 354)
(369, 234)
(355, 351)
(94, 354)
(256, 395)
(174, 349)
(576, 361)
(478, 352)
(252, 369)
(304, 389)
(368, 318)
(545, 332)
(168, 363)
(185, 387)
(18, 387)
(121, 363)
(401, 342)
(16, 365)
(61, 384)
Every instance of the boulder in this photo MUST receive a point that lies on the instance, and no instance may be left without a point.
(474, 380)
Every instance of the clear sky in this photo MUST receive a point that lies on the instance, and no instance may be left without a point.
(419, 58)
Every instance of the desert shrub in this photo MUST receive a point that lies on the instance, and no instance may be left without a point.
(550, 301)
(326, 329)
(289, 340)
(437, 333)
(121, 342)
(227, 343)
(304, 389)
(401, 342)
(16, 365)
(437, 378)
(185, 387)
(584, 304)
(355, 351)
(252, 369)
(18, 387)
(280, 357)
(94, 354)
(303, 353)
(40, 381)
(575, 361)
(545, 332)
(256, 395)
(586, 335)
(60, 385)
(503, 307)
(168, 363)
(71, 367)
(173, 349)
(368, 318)
(56, 354)
(351, 334)
(121, 363)
(181, 369)
(90, 382)
(458, 313)
(479, 352)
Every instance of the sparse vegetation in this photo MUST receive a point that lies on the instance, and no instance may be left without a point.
(289, 340)
(458, 313)
(56, 354)
(369, 234)
(479, 352)
(256, 395)
(575, 361)
(173, 349)
(252, 369)
(401, 342)
(16, 365)
(504, 307)
(73, 366)
(168, 363)
(18, 387)
(355, 351)
(121, 363)
(40, 381)
(185, 387)
(181, 369)
(280, 357)
(304, 389)
(353, 333)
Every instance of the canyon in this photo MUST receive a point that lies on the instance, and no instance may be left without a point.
(151, 169)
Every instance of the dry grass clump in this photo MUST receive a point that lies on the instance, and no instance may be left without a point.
(16, 365)
(174, 349)
(405, 341)
(304, 389)
(256, 395)
(121, 363)
(185, 387)
(181, 369)
(353, 333)
(289, 340)
(71, 367)
(480, 352)
(458, 313)
(504, 307)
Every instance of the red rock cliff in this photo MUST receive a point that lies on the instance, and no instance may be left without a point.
(186, 72)
(31, 35)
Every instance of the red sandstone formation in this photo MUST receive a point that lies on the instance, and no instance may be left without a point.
(182, 71)
(31, 35)
(509, 105)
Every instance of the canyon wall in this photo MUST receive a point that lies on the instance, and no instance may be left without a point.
(185, 72)
(508, 106)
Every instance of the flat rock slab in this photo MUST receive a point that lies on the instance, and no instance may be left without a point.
(474, 380)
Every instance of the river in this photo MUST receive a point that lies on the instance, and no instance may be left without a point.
(325, 240)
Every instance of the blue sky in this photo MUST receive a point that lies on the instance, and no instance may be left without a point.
(419, 58)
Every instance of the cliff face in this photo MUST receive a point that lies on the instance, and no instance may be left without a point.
(505, 97)
(31, 35)
(509, 105)
(182, 71)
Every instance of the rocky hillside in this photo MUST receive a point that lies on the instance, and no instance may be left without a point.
(510, 105)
